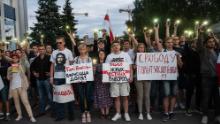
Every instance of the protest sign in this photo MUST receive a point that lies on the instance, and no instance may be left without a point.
(63, 93)
(116, 72)
(79, 73)
(157, 66)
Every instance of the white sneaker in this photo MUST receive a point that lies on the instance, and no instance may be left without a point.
(182, 106)
(217, 119)
(127, 117)
(18, 118)
(47, 107)
(32, 119)
(116, 117)
(204, 120)
(149, 116)
(140, 117)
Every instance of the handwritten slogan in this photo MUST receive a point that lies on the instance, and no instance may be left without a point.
(63, 93)
(157, 66)
(79, 73)
(116, 72)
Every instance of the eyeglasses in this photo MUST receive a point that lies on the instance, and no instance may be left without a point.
(59, 42)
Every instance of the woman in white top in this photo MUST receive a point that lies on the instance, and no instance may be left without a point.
(18, 88)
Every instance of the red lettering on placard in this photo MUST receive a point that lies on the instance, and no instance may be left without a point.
(63, 93)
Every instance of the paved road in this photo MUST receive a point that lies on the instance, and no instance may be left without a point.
(181, 119)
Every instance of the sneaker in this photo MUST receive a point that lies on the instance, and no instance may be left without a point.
(7, 118)
(217, 119)
(198, 111)
(204, 120)
(149, 117)
(59, 119)
(140, 117)
(188, 113)
(127, 117)
(172, 116)
(84, 118)
(88, 118)
(18, 118)
(33, 120)
(47, 107)
(116, 117)
(165, 117)
(182, 106)
(2, 116)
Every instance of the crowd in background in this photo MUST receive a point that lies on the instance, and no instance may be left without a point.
(29, 75)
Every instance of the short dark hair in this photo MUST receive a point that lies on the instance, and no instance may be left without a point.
(60, 37)
(208, 38)
(41, 45)
(115, 41)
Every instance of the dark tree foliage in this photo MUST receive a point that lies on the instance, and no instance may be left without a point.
(186, 10)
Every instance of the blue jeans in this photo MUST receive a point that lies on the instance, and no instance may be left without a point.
(60, 107)
(44, 90)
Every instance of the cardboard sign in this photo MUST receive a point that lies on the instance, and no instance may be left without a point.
(116, 72)
(157, 66)
(1, 83)
(79, 73)
(63, 93)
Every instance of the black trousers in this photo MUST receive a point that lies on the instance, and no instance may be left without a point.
(193, 83)
(209, 92)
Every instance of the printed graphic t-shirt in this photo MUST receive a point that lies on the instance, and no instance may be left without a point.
(60, 60)
(121, 57)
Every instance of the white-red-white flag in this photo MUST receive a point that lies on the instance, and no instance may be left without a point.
(108, 25)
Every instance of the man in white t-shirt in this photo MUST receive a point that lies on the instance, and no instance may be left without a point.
(118, 90)
(59, 59)
(127, 49)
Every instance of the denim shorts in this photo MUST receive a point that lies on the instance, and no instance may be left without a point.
(170, 88)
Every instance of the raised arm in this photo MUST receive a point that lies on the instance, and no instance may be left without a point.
(157, 38)
(72, 37)
(147, 39)
(175, 27)
(201, 39)
(167, 29)
(133, 40)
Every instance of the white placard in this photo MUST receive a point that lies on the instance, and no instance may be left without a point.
(79, 73)
(157, 66)
(116, 72)
(63, 93)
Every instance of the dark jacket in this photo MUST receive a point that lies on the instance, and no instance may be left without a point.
(4, 64)
(208, 58)
(41, 66)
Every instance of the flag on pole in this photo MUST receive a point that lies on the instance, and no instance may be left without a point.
(109, 27)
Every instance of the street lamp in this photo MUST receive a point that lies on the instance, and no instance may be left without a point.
(128, 10)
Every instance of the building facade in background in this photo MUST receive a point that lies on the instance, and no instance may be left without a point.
(14, 21)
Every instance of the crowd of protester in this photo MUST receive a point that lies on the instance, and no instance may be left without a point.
(29, 75)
